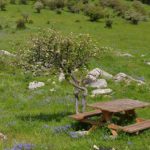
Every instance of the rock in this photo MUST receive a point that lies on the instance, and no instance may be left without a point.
(2, 136)
(122, 77)
(33, 85)
(3, 52)
(100, 83)
(106, 75)
(125, 55)
(148, 63)
(61, 77)
(95, 73)
(101, 92)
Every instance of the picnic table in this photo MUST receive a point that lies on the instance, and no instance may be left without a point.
(112, 108)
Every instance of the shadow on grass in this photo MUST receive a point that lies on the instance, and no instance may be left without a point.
(44, 117)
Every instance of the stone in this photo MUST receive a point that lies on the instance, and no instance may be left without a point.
(61, 77)
(122, 77)
(101, 92)
(3, 52)
(125, 55)
(95, 73)
(34, 85)
(148, 63)
(106, 75)
(2, 136)
(100, 83)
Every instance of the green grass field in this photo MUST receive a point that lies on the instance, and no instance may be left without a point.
(30, 116)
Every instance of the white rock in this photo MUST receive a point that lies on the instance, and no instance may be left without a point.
(2, 136)
(33, 85)
(126, 55)
(100, 83)
(95, 72)
(106, 75)
(148, 63)
(61, 77)
(126, 78)
(95, 147)
(101, 92)
(3, 52)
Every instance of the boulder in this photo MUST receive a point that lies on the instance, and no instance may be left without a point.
(3, 52)
(125, 55)
(61, 77)
(100, 83)
(2, 136)
(122, 77)
(101, 92)
(34, 85)
(148, 63)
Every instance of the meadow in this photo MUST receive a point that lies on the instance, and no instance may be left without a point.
(32, 116)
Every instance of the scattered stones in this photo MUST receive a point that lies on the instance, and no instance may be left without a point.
(34, 85)
(101, 92)
(3, 52)
(2, 136)
(100, 83)
(122, 77)
(61, 77)
(78, 134)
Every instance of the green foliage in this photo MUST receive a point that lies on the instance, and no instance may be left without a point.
(2, 5)
(50, 49)
(94, 12)
(56, 4)
(38, 6)
(108, 23)
(23, 2)
(20, 24)
(12, 1)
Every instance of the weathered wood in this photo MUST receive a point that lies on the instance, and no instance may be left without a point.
(119, 105)
(82, 116)
(137, 127)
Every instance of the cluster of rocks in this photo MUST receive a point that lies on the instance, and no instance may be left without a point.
(34, 85)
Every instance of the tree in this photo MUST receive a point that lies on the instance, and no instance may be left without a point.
(50, 49)
(38, 6)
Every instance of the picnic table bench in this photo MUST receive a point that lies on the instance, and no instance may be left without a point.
(111, 108)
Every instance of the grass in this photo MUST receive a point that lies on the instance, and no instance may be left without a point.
(24, 113)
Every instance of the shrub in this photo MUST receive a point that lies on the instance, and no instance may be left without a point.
(133, 16)
(25, 17)
(12, 1)
(56, 4)
(23, 2)
(2, 5)
(1, 27)
(20, 24)
(30, 21)
(58, 11)
(38, 6)
(94, 12)
(108, 23)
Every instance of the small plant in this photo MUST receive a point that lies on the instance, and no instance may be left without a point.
(23, 2)
(38, 6)
(108, 23)
(2, 5)
(12, 1)
(56, 4)
(25, 17)
(30, 21)
(20, 24)
(1, 27)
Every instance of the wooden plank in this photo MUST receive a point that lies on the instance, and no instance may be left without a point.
(119, 105)
(137, 127)
(84, 115)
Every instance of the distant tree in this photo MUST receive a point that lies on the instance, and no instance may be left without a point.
(2, 5)
(23, 2)
(38, 6)
(50, 49)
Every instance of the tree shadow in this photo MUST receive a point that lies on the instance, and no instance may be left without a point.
(44, 117)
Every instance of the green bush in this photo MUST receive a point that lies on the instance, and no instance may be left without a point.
(55, 4)
(20, 24)
(25, 16)
(38, 6)
(108, 23)
(12, 1)
(23, 2)
(94, 12)
(2, 5)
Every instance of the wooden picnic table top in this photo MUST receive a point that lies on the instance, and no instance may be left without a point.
(119, 105)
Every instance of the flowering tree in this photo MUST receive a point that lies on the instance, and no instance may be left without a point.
(50, 49)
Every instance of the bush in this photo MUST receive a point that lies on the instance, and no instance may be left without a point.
(1, 27)
(56, 4)
(12, 1)
(23, 2)
(133, 16)
(94, 12)
(108, 23)
(58, 11)
(25, 17)
(38, 6)
(20, 24)
(2, 5)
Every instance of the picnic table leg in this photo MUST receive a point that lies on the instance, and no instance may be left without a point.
(106, 116)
